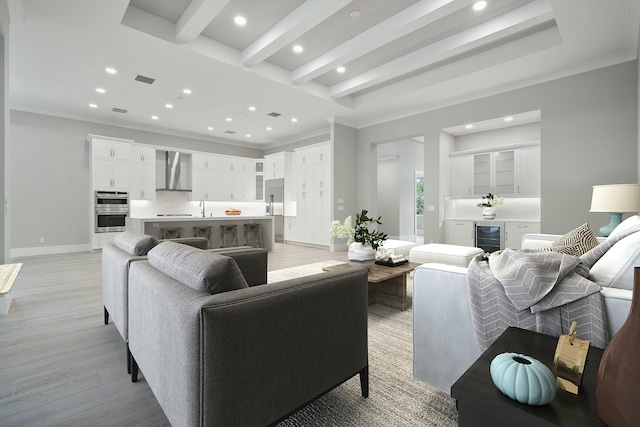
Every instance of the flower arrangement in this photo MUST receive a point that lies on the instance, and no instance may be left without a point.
(490, 201)
(360, 233)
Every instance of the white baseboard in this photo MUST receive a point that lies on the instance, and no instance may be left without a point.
(49, 250)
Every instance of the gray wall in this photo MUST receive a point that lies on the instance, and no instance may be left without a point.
(389, 196)
(345, 190)
(49, 166)
(589, 136)
(5, 239)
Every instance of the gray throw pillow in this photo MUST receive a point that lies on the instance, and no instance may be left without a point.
(134, 243)
(577, 242)
(200, 270)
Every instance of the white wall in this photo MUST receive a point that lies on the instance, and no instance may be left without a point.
(389, 196)
(49, 175)
(589, 136)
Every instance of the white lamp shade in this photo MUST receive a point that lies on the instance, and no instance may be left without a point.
(618, 198)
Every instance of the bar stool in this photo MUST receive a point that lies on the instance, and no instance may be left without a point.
(171, 232)
(253, 235)
(229, 233)
(204, 231)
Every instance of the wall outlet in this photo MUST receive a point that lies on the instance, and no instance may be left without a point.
(42, 240)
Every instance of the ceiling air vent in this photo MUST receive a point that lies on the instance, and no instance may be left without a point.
(274, 114)
(144, 79)
(119, 110)
(230, 132)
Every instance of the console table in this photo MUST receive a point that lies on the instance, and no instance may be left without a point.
(480, 403)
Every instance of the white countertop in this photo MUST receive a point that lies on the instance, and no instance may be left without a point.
(495, 219)
(199, 218)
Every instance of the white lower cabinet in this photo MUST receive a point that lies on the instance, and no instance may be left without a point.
(459, 232)
(514, 231)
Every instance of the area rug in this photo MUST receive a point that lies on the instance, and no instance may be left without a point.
(299, 271)
(395, 398)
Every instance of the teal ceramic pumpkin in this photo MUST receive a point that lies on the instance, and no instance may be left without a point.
(523, 378)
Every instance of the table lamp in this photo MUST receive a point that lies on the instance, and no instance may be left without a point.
(615, 199)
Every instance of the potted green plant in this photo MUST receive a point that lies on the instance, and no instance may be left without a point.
(363, 243)
(488, 205)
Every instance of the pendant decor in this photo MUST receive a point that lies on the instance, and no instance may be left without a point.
(361, 255)
(489, 213)
(523, 378)
(616, 395)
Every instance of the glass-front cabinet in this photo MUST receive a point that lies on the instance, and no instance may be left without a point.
(514, 172)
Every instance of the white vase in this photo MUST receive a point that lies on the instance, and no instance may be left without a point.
(489, 213)
(361, 255)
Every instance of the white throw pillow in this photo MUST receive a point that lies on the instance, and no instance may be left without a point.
(626, 224)
(615, 268)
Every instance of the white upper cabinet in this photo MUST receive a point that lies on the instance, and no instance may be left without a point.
(143, 173)
(224, 178)
(505, 173)
(110, 164)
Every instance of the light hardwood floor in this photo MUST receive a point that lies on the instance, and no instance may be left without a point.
(60, 365)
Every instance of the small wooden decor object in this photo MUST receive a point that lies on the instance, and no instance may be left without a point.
(232, 211)
(569, 360)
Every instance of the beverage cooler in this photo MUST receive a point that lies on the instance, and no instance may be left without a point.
(489, 235)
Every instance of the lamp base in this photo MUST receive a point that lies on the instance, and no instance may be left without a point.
(616, 219)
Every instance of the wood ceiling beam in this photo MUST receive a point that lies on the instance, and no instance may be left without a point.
(297, 23)
(417, 16)
(196, 17)
(530, 15)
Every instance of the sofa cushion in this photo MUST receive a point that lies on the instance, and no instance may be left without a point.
(577, 242)
(632, 221)
(134, 243)
(615, 268)
(200, 270)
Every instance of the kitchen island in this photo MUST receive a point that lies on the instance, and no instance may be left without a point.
(152, 226)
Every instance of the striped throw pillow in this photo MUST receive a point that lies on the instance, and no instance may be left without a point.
(578, 241)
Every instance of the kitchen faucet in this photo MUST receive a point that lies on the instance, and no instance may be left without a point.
(202, 204)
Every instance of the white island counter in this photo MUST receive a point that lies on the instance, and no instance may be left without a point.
(152, 226)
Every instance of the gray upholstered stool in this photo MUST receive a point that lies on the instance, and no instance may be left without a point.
(204, 231)
(171, 232)
(229, 235)
(253, 235)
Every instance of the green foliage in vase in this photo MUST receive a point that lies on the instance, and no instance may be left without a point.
(360, 233)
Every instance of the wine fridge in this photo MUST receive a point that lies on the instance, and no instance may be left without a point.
(489, 235)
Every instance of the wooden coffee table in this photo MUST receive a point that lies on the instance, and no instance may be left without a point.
(387, 285)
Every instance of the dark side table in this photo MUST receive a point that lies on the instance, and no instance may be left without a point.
(480, 403)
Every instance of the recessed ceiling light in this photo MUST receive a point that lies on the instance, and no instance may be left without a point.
(469, 126)
(269, 128)
(100, 90)
(187, 91)
(297, 48)
(240, 20)
(355, 13)
(93, 105)
(248, 135)
(479, 5)
(229, 119)
(154, 117)
(294, 120)
(111, 70)
(169, 106)
(341, 69)
(508, 119)
(252, 108)
(210, 128)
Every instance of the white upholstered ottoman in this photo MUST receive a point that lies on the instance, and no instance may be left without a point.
(460, 256)
(398, 247)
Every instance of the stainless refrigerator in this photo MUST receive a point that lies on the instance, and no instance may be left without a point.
(274, 197)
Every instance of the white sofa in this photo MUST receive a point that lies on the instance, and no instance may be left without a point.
(444, 344)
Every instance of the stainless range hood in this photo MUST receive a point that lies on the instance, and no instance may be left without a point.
(173, 171)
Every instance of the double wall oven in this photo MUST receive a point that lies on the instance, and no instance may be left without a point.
(112, 209)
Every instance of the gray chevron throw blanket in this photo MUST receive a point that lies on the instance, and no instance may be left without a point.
(541, 291)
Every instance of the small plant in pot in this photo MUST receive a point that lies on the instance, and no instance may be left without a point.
(489, 204)
(362, 242)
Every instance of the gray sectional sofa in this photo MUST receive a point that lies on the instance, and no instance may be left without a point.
(129, 247)
(217, 351)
